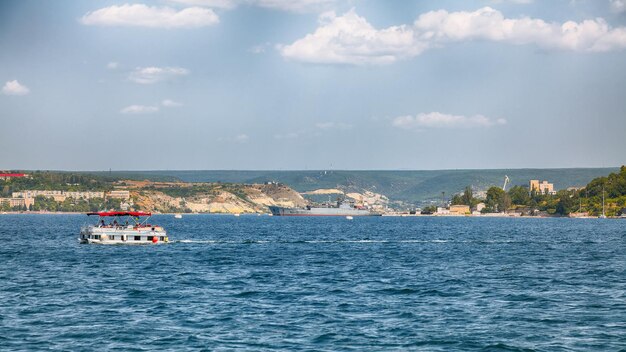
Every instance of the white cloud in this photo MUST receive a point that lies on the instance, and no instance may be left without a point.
(489, 24)
(150, 75)
(294, 5)
(522, 2)
(241, 138)
(139, 109)
(350, 39)
(284, 5)
(440, 120)
(14, 88)
(260, 48)
(140, 15)
(221, 4)
(112, 65)
(171, 103)
(289, 135)
(618, 6)
(333, 126)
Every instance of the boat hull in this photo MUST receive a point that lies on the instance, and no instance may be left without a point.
(281, 211)
(133, 236)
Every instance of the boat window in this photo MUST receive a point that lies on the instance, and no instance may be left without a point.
(137, 238)
(161, 238)
(112, 237)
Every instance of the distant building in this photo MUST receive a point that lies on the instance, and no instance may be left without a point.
(442, 211)
(480, 207)
(18, 202)
(459, 209)
(119, 194)
(541, 187)
(58, 196)
(84, 195)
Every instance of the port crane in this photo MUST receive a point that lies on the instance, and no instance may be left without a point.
(506, 182)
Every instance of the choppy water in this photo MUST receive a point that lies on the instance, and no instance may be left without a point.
(264, 283)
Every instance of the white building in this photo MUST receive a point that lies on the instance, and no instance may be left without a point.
(119, 194)
(58, 196)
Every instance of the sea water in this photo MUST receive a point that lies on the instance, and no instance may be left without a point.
(272, 283)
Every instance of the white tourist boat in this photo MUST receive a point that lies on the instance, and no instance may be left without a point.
(123, 227)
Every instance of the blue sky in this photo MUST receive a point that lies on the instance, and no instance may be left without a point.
(312, 84)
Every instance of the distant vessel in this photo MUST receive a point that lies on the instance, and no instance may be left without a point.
(113, 227)
(338, 209)
(178, 216)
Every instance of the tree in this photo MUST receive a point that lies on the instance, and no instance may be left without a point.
(519, 195)
(566, 204)
(497, 200)
(429, 209)
(468, 196)
(457, 199)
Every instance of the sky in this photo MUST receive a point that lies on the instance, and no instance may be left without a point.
(312, 84)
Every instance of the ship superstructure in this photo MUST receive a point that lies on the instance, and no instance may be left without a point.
(341, 208)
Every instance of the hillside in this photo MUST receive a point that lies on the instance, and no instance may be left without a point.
(76, 192)
(211, 197)
(416, 187)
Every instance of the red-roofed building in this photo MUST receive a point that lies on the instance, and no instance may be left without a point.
(8, 176)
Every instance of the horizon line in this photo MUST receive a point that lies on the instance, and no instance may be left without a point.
(316, 170)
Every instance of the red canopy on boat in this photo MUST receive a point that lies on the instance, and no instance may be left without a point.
(120, 213)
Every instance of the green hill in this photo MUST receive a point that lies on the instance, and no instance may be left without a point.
(416, 187)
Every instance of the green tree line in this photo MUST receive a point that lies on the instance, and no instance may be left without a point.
(564, 202)
(48, 180)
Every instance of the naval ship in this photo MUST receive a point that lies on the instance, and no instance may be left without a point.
(338, 209)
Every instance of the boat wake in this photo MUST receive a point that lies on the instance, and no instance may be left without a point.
(368, 241)
(364, 241)
(195, 241)
(219, 241)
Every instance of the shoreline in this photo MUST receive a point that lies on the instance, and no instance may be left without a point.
(384, 215)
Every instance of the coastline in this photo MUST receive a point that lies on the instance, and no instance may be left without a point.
(488, 215)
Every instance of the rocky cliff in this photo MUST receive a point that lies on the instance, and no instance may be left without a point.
(211, 197)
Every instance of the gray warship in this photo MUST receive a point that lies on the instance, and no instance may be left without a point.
(341, 208)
